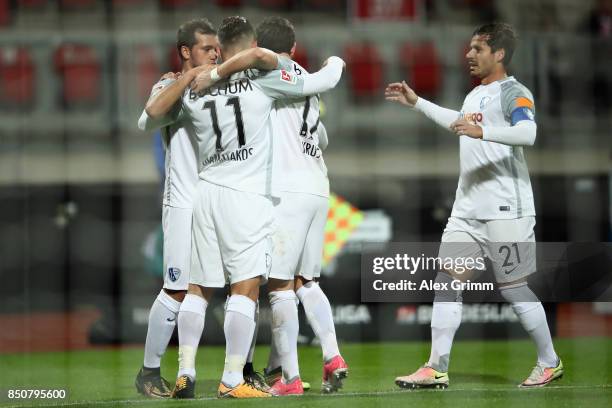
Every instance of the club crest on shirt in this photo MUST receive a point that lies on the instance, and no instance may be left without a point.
(287, 77)
(484, 101)
(174, 274)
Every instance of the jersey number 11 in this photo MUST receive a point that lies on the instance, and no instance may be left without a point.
(235, 102)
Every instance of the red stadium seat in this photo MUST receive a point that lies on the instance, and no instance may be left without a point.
(365, 70)
(301, 57)
(81, 74)
(147, 70)
(5, 12)
(422, 67)
(17, 78)
(32, 4)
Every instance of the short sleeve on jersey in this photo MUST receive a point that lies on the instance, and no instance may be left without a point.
(176, 111)
(517, 102)
(161, 84)
(281, 83)
(285, 63)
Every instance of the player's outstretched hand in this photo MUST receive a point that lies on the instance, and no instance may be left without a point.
(463, 127)
(202, 79)
(400, 92)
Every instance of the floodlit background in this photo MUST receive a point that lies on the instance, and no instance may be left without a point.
(80, 218)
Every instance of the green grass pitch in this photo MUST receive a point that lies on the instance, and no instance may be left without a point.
(483, 374)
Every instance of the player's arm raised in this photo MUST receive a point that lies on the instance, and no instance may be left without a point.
(401, 93)
(283, 83)
(160, 103)
(324, 79)
(146, 122)
(258, 58)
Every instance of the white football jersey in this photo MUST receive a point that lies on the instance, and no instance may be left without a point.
(298, 159)
(494, 179)
(181, 158)
(233, 126)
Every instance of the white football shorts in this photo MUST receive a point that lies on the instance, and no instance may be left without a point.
(231, 236)
(176, 223)
(509, 245)
(298, 238)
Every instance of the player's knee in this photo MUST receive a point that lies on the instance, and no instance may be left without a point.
(178, 295)
(200, 291)
(446, 293)
(248, 288)
(281, 296)
(522, 299)
(300, 281)
(518, 293)
(279, 284)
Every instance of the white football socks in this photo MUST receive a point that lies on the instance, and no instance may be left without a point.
(190, 328)
(533, 319)
(531, 314)
(319, 314)
(239, 327)
(445, 320)
(274, 360)
(251, 354)
(285, 329)
(162, 320)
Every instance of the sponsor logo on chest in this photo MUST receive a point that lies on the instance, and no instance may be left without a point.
(478, 115)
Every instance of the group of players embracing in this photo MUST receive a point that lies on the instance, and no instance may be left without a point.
(245, 204)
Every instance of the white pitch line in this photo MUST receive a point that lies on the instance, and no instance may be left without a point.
(336, 395)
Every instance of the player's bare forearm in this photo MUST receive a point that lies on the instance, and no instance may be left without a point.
(163, 101)
(259, 58)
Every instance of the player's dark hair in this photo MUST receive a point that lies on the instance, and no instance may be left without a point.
(234, 30)
(499, 36)
(186, 34)
(276, 34)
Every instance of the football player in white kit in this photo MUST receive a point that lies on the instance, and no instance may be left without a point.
(233, 214)
(197, 45)
(493, 214)
(300, 176)
(300, 215)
